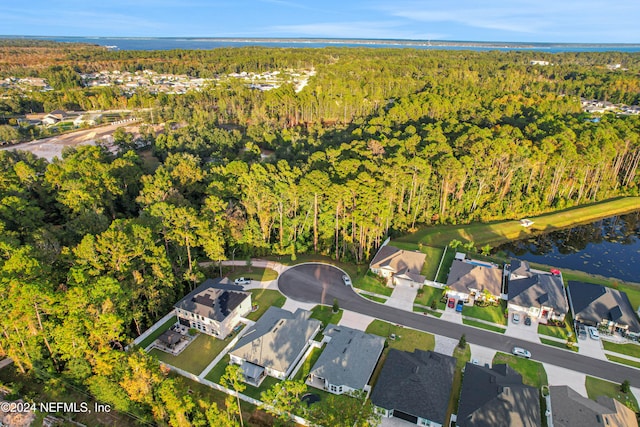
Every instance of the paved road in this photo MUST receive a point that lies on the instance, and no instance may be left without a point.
(320, 283)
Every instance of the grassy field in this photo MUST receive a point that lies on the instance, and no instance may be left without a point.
(427, 294)
(623, 361)
(483, 326)
(533, 373)
(254, 273)
(374, 298)
(308, 364)
(155, 334)
(497, 232)
(200, 352)
(493, 314)
(326, 315)
(265, 298)
(628, 349)
(597, 387)
(372, 283)
(218, 370)
(353, 270)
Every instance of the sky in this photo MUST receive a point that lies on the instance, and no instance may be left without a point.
(568, 21)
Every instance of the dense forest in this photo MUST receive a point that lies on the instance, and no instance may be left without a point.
(95, 247)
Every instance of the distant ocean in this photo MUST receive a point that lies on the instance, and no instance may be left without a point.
(168, 43)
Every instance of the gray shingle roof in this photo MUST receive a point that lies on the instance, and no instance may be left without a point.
(399, 260)
(537, 290)
(349, 358)
(496, 397)
(417, 383)
(570, 409)
(593, 303)
(213, 299)
(277, 338)
(464, 276)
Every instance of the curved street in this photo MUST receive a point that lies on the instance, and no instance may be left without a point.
(321, 283)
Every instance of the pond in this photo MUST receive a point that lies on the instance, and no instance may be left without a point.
(609, 247)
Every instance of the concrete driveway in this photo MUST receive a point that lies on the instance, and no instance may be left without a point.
(354, 320)
(402, 297)
(522, 331)
(592, 348)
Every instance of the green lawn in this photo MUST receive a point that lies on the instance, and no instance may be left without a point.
(449, 256)
(407, 339)
(308, 364)
(200, 352)
(254, 392)
(155, 334)
(597, 387)
(533, 373)
(563, 332)
(265, 298)
(372, 283)
(491, 313)
(417, 309)
(254, 273)
(483, 326)
(326, 315)
(628, 349)
(558, 344)
(623, 361)
(218, 370)
(374, 298)
(462, 357)
(497, 232)
(427, 294)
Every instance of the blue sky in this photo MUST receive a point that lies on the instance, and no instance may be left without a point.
(586, 21)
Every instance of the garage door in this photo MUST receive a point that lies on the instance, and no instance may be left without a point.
(405, 416)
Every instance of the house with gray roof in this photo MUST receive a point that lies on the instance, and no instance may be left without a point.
(570, 409)
(597, 305)
(398, 266)
(347, 362)
(539, 294)
(469, 279)
(415, 387)
(274, 344)
(496, 397)
(214, 308)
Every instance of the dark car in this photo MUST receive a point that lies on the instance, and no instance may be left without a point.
(451, 303)
(527, 321)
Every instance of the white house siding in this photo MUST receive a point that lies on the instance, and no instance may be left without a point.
(405, 282)
(425, 422)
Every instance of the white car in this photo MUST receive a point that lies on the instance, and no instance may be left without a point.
(346, 280)
(593, 333)
(519, 351)
(516, 318)
(242, 281)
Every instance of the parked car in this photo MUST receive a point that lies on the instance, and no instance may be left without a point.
(242, 281)
(593, 333)
(346, 280)
(527, 321)
(521, 352)
(459, 306)
(451, 303)
(582, 332)
(516, 318)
